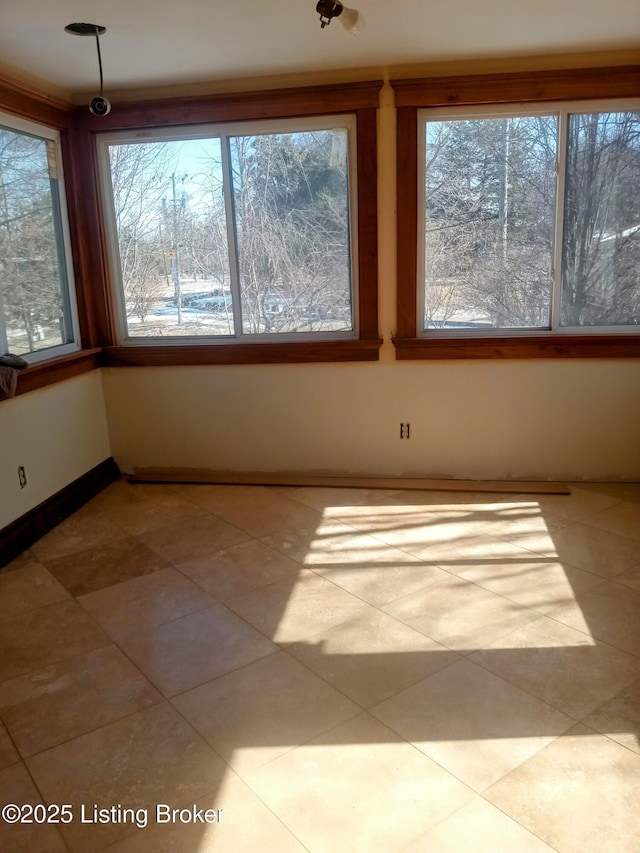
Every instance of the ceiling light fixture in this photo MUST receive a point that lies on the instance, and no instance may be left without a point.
(351, 20)
(99, 106)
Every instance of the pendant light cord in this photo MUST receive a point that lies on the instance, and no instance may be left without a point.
(99, 59)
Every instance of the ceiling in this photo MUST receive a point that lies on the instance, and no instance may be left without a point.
(159, 43)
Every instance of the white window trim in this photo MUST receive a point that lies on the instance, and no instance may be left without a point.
(223, 130)
(43, 132)
(561, 110)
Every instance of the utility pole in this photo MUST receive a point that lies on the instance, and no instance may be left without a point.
(175, 261)
(503, 224)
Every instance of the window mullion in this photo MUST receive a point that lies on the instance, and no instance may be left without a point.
(421, 225)
(561, 171)
(4, 345)
(232, 235)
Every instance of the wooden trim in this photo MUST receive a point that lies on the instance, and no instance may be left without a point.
(284, 478)
(239, 106)
(367, 217)
(35, 106)
(407, 220)
(527, 346)
(96, 299)
(55, 370)
(528, 86)
(241, 353)
(88, 240)
(22, 533)
(523, 86)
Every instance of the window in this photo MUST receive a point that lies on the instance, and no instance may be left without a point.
(37, 308)
(529, 220)
(537, 264)
(233, 232)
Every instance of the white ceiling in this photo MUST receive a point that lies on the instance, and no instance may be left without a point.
(151, 43)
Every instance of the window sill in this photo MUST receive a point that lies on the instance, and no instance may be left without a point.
(259, 353)
(55, 370)
(530, 346)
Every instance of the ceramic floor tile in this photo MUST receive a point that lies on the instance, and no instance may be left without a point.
(263, 710)
(84, 529)
(619, 718)
(193, 538)
(148, 600)
(471, 501)
(57, 703)
(622, 519)
(514, 524)
(240, 569)
(597, 551)
(376, 792)
(372, 570)
(479, 827)
(44, 636)
(27, 558)
(26, 587)
(153, 512)
(424, 531)
(105, 565)
(8, 754)
(266, 513)
(478, 617)
(186, 652)
(621, 491)
(469, 551)
(580, 794)
(245, 824)
(322, 498)
(372, 657)
(538, 582)
(564, 667)
(391, 518)
(329, 541)
(378, 585)
(219, 497)
(283, 719)
(147, 758)
(17, 788)
(123, 494)
(580, 505)
(630, 578)
(472, 723)
(609, 612)
(297, 608)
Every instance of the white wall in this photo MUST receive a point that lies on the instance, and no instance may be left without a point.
(57, 433)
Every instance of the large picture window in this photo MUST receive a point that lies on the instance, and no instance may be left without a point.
(529, 220)
(37, 308)
(233, 232)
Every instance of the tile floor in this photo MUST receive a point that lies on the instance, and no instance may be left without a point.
(338, 670)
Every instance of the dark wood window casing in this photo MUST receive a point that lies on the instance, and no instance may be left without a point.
(359, 99)
(517, 88)
(78, 129)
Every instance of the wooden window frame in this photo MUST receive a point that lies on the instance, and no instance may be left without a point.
(540, 87)
(27, 104)
(78, 130)
(359, 99)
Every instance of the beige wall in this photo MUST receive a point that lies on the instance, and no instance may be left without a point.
(57, 433)
(488, 419)
(485, 419)
(569, 419)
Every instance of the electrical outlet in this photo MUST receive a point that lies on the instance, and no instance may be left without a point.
(405, 430)
(22, 477)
